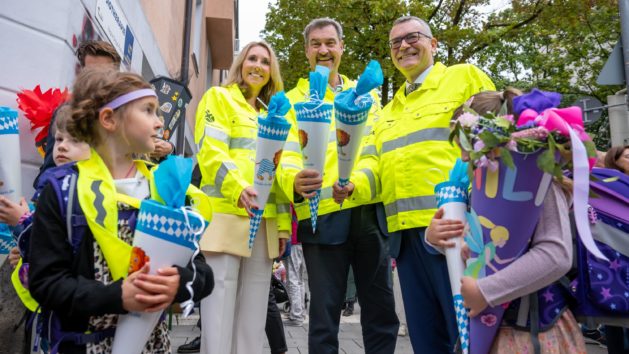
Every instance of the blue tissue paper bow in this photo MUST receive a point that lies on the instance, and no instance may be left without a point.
(172, 178)
(458, 173)
(319, 82)
(279, 106)
(358, 99)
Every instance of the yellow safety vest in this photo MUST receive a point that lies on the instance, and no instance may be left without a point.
(292, 161)
(411, 141)
(227, 127)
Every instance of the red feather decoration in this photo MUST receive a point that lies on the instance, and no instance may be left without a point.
(38, 108)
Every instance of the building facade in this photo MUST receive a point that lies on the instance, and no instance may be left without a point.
(40, 37)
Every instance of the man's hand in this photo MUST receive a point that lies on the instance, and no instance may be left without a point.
(341, 193)
(307, 182)
(247, 200)
(162, 148)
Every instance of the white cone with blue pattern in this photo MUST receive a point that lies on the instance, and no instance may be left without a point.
(453, 198)
(168, 237)
(269, 145)
(314, 119)
(10, 170)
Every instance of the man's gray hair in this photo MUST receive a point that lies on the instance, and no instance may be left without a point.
(320, 23)
(414, 18)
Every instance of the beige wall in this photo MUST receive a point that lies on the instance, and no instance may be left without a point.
(166, 18)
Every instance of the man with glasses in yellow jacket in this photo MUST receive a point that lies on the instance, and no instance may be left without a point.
(347, 235)
(413, 155)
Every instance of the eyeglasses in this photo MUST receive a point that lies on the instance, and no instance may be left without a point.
(410, 38)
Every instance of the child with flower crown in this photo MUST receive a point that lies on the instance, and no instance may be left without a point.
(548, 258)
(87, 285)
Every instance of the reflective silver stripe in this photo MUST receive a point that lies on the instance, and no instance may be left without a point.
(99, 198)
(271, 199)
(410, 204)
(611, 236)
(372, 181)
(438, 134)
(211, 191)
(283, 208)
(242, 143)
(216, 134)
(369, 150)
(292, 146)
(290, 165)
(222, 172)
(326, 193)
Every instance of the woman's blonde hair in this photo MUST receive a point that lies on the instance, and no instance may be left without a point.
(275, 83)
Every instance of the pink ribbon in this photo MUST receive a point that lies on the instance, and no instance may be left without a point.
(559, 120)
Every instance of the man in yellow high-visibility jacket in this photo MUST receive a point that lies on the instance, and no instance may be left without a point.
(347, 235)
(413, 154)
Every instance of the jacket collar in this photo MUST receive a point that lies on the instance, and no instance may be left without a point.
(430, 82)
(303, 86)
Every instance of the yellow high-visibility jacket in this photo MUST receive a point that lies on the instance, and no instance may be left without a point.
(411, 142)
(226, 126)
(292, 161)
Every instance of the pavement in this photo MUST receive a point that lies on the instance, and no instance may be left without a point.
(350, 336)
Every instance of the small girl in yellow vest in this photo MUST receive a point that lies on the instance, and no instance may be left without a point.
(88, 287)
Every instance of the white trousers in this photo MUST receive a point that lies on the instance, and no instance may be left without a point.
(296, 286)
(234, 315)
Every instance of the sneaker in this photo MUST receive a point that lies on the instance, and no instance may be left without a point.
(595, 336)
(293, 322)
(193, 347)
(402, 331)
(349, 310)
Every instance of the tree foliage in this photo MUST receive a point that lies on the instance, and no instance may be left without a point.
(558, 45)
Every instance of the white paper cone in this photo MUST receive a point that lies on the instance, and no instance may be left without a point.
(455, 211)
(268, 153)
(318, 136)
(10, 161)
(348, 139)
(163, 234)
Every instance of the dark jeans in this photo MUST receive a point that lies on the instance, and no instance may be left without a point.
(427, 296)
(366, 250)
(274, 327)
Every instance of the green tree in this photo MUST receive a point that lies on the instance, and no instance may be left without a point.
(558, 45)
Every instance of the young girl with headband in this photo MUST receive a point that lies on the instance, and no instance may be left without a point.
(86, 283)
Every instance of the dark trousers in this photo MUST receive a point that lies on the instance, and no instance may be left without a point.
(427, 296)
(274, 327)
(366, 249)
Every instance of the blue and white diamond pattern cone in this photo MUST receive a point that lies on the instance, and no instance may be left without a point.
(462, 323)
(254, 224)
(10, 161)
(313, 204)
(314, 119)
(169, 237)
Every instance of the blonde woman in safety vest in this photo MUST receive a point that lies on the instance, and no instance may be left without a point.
(233, 318)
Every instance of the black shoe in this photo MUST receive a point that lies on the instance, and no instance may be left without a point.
(349, 310)
(193, 347)
(596, 336)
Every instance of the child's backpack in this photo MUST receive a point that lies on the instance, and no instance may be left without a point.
(48, 333)
(601, 288)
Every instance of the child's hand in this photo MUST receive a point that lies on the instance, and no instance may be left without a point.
(465, 252)
(247, 200)
(14, 256)
(282, 247)
(11, 212)
(161, 288)
(341, 193)
(473, 299)
(440, 230)
(130, 291)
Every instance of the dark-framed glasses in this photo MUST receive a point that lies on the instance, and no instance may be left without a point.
(410, 38)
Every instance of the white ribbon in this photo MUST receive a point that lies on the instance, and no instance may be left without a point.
(188, 305)
(581, 188)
